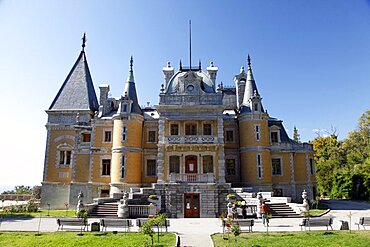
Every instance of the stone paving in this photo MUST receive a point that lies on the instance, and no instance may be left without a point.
(196, 232)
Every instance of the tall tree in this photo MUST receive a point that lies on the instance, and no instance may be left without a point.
(296, 136)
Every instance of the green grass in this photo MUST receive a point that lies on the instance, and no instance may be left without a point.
(52, 213)
(312, 238)
(100, 239)
(317, 212)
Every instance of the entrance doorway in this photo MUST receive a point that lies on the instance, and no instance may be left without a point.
(191, 205)
(191, 164)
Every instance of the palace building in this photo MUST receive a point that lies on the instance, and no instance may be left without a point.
(200, 141)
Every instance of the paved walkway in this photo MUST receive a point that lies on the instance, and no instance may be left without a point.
(196, 232)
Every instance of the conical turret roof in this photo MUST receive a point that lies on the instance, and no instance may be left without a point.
(77, 91)
(130, 90)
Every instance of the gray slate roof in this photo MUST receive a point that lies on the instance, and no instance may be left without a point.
(77, 91)
(130, 91)
(250, 87)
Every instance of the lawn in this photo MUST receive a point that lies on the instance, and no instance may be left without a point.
(100, 239)
(312, 238)
(52, 213)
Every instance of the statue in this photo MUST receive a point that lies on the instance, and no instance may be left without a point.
(80, 205)
(123, 207)
(260, 201)
(306, 206)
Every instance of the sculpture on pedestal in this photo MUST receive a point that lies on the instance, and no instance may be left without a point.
(123, 207)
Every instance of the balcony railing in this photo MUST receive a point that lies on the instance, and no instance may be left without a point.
(192, 178)
(191, 139)
(141, 210)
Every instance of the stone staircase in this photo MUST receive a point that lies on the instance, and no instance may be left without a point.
(282, 210)
(105, 210)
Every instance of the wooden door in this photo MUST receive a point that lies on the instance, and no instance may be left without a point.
(191, 164)
(191, 205)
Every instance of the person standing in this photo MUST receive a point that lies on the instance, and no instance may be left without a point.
(264, 213)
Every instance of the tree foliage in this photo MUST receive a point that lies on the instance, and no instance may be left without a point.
(343, 167)
(296, 135)
(20, 189)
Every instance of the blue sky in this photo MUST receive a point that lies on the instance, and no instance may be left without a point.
(311, 59)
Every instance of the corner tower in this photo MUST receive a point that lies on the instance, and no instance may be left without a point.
(254, 138)
(127, 139)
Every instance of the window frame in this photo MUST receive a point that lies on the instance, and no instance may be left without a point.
(65, 149)
(210, 129)
(105, 131)
(178, 129)
(259, 165)
(233, 135)
(147, 166)
(273, 173)
(211, 165)
(148, 136)
(124, 133)
(227, 169)
(103, 169)
(257, 132)
(195, 125)
(171, 164)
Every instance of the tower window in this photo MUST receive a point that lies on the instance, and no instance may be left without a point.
(276, 166)
(230, 167)
(207, 129)
(65, 157)
(105, 167)
(174, 164)
(259, 166)
(255, 106)
(174, 129)
(207, 164)
(257, 132)
(124, 133)
(125, 108)
(190, 129)
(123, 166)
(108, 136)
(151, 167)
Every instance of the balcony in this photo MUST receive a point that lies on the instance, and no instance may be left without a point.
(192, 178)
(191, 139)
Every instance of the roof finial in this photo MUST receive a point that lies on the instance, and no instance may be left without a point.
(200, 65)
(83, 42)
(180, 65)
(131, 63)
(249, 61)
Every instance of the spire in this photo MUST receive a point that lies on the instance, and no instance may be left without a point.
(190, 44)
(251, 90)
(83, 42)
(77, 91)
(130, 89)
(200, 65)
(180, 65)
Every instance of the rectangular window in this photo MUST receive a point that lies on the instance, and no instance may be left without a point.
(255, 107)
(86, 137)
(207, 129)
(229, 136)
(312, 167)
(65, 157)
(125, 108)
(207, 164)
(276, 166)
(230, 167)
(151, 167)
(107, 136)
(190, 129)
(105, 167)
(257, 132)
(124, 133)
(259, 166)
(274, 137)
(123, 167)
(152, 136)
(174, 164)
(174, 129)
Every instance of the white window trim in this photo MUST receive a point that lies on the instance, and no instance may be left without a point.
(313, 170)
(82, 137)
(257, 133)
(124, 132)
(123, 162)
(111, 137)
(259, 165)
(156, 135)
(277, 129)
(63, 147)
(101, 166)
(281, 165)
(179, 130)
(151, 157)
(230, 129)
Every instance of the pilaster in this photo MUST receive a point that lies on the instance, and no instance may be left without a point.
(221, 151)
(161, 151)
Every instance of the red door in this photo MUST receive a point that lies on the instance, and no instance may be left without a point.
(191, 205)
(191, 164)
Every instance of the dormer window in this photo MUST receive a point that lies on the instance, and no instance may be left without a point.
(274, 137)
(125, 107)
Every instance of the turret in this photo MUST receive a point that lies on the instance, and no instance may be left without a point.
(212, 72)
(168, 72)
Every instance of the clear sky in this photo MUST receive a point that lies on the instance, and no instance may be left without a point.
(311, 60)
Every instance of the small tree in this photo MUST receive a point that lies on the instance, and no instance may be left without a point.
(296, 135)
(147, 230)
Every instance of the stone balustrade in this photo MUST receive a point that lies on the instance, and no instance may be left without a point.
(192, 178)
(141, 210)
(191, 139)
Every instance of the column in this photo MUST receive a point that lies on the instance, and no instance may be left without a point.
(161, 150)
